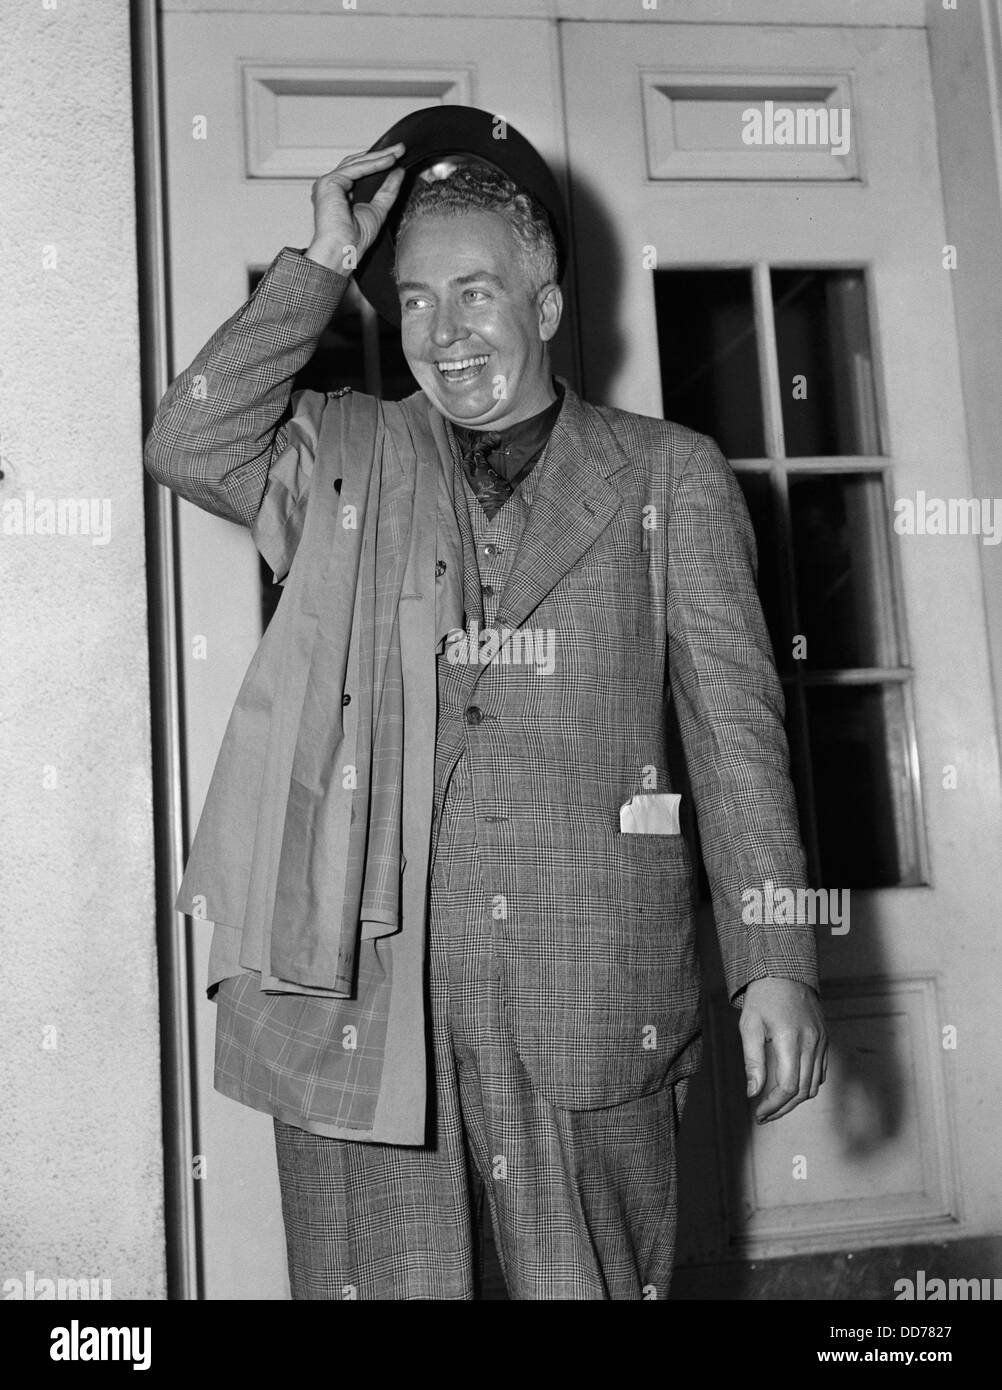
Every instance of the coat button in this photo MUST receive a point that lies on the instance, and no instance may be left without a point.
(337, 484)
(346, 699)
(474, 715)
(440, 566)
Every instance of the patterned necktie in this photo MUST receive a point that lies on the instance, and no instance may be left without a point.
(491, 490)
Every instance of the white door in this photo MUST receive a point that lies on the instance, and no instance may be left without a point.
(256, 108)
(796, 302)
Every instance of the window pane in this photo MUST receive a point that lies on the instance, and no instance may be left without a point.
(709, 356)
(840, 529)
(825, 362)
(852, 731)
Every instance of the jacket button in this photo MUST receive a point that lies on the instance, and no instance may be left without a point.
(337, 484)
(490, 550)
(474, 715)
(440, 566)
(346, 699)
(488, 591)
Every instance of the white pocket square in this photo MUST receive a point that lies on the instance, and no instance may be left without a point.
(651, 813)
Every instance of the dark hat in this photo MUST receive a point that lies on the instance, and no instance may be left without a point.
(433, 135)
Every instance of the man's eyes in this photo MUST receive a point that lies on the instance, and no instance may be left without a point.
(470, 296)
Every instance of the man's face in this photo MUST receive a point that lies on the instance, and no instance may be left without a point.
(473, 332)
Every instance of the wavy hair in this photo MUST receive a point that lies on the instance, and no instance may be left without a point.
(476, 187)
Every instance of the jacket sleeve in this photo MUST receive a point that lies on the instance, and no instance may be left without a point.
(730, 709)
(223, 432)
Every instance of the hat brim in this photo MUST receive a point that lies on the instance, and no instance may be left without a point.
(437, 133)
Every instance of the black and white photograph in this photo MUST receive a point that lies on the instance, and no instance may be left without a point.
(501, 668)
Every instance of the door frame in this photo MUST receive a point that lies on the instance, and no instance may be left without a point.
(180, 1122)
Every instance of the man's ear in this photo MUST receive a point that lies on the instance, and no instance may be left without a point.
(550, 302)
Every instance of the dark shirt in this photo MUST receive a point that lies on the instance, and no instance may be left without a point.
(496, 461)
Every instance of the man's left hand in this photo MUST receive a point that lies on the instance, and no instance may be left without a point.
(785, 1045)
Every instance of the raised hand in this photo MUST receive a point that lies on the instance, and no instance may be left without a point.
(344, 231)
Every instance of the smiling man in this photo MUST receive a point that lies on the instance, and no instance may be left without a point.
(454, 948)
(479, 300)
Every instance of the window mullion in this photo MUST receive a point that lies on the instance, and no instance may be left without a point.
(768, 362)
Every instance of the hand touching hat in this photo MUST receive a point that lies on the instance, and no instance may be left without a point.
(436, 140)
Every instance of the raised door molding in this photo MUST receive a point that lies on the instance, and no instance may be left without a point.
(695, 127)
(287, 105)
(864, 13)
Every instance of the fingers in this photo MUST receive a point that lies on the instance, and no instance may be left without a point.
(819, 1069)
(384, 197)
(358, 166)
(800, 1059)
(753, 1043)
(781, 1095)
(369, 217)
(341, 227)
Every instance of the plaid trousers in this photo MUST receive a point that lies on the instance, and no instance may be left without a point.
(582, 1202)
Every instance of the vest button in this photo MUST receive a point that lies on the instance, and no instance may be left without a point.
(488, 591)
(490, 550)
(346, 699)
(474, 715)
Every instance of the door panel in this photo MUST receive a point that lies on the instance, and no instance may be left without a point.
(256, 108)
(662, 179)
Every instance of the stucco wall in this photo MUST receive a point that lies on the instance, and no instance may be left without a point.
(80, 1153)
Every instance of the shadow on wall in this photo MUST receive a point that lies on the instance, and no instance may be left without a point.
(599, 301)
(860, 1136)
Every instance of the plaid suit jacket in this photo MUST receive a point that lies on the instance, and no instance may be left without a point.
(639, 556)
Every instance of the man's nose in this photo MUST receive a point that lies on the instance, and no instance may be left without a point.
(448, 326)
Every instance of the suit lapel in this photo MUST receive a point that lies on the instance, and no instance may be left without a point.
(571, 507)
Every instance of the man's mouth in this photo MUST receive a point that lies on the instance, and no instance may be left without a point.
(464, 369)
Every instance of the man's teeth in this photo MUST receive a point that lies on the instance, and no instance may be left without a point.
(454, 368)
